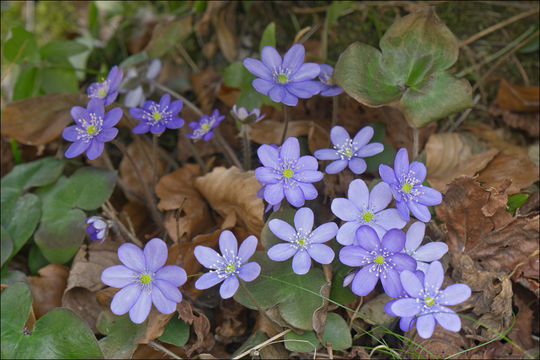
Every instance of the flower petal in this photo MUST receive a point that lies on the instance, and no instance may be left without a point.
(247, 248)
(421, 212)
(425, 325)
(301, 262)
(249, 272)
(429, 196)
(454, 294)
(309, 190)
(308, 176)
(170, 291)
(380, 197)
(391, 283)
(324, 233)
(339, 136)
(173, 274)
(403, 262)
(321, 253)
(414, 236)
(79, 114)
(175, 107)
(393, 240)
(289, 99)
(207, 257)
(95, 149)
(266, 175)
(347, 233)
(358, 193)
(141, 128)
(294, 58)
(357, 165)
(431, 251)
(294, 196)
(228, 245)
(270, 57)
(290, 150)
(401, 163)
(326, 154)
(387, 174)
(273, 193)
(175, 123)
(96, 106)
(345, 209)
(412, 285)
(281, 252)
(370, 150)
(448, 319)
(363, 136)
(434, 277)
(268, 156)
(282, 229)
(112, 117)
(76, 149)
(70, 133)
(257, 68)
(118, 276)
(419, 170)
(124, 299)
(277, 93)
(229, 287)
(336, 166)
(389, 219)
(403, 210)
(406, 323)
(355, 256)
(304, 89)
(208, 280)
(406, 307)
(364, 281)
(262, 85)
(139, 312)
(155, 253)
(162, 304)
(307, 162)
(107, 134)
(133, 257)
(303, 220)
(368, 238)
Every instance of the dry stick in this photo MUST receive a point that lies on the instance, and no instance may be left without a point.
(383, 347)
(502, 59)
(111, 212)
(263, 344)
(517, 62)
(498, 26)
(188, 58)
(353, 316)
(151, 204)
(163, 349)
(154, 159)
(227, 150)
(286, 121)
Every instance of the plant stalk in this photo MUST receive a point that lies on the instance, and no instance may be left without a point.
(286, 122)
(247, 149)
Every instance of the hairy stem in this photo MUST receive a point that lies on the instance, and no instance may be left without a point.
(286, 122)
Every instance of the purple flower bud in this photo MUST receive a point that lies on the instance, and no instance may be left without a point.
(97, 228)
(203, 128)
(246, 117)
(327, 86)
(156, 117)
(107, 90)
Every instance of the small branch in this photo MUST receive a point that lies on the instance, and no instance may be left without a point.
(119, 180)
(111, 213)
(263, 344)
(353, 316)
(163, 349)
(464, 115)
(187, 58)
(286, 122)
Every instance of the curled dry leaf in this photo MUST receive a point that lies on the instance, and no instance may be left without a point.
(205, 85)
(523, 121)
(175, 188)
(516, 98)
(498, 139)
(224, 22)
(47, 289)
(451, 155)
(39, 120)
(232, 192)
(232, 318)
(200, 325)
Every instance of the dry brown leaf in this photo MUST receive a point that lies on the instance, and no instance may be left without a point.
(318, 137)
(530, 122)
(517, 168)
(205, 85)
(450, 155)
(200, 325)
(270, 131)
(232, 320)
(495, 138)
(234, 191)
(155, 325)
(172, 190)
(39, 120)
(47, 289)
(224, 22)
(442, 344)
(228, 95)
(516, 98)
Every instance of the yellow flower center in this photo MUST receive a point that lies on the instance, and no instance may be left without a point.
(348, 153)
(145, 279)
(288, 173)
(91, 129)
(102, 92)
(156, 116)
(367, 216)
(282, 78)
(301, 241)
(406, 188)
(205, 127)
(229, 268)
(379, 260)
(429, 301)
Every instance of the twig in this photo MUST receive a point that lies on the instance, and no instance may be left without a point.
(111, 213)
(227, 150)
(177, 218)
(517, 62)
(193, 150)
(263, 344)
(330, 350)
(498, 26)
(335, 110)
(353, 316)
(119, 180)
(187, 58)
(154, 159)
(286, 121)
(163, 349)
(383, 347)
(464, 115)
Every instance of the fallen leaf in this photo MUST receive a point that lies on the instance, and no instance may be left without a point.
(524, 121)
(233, 191)
(516, 98)
(451, 155)
(155, 325)
(516, 167)
(495, 138)
(205, 85)
(200, 325)
(224, 22)
(270, 131)
(441, 344)
(232, 320)
(47, 289)
(318, 137)
(41, 119)
(175, 188)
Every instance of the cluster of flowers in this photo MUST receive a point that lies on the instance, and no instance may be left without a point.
(373, 242)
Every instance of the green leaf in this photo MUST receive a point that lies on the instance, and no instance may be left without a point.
(335, 10)
(237, 76)
(21, 46)
(27, 84)
(61, 49)
(268, 239)
(134, 59)
(36, 173)
(515, 202)
(199, 6)
(59, 334)
(532, 45)
(338, 292)
(268, 37)
(122, 335)
(7, 246)
(61, 79)
(36, 260)
(296, 305)
(93, 19)
(176, 332)
(337, 332)
(306, 342)
(23, 219)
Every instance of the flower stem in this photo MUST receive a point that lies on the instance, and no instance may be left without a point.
(286, 122)
(154, 159)
(252, 299)
(227, 150)
(110, 211)
(150, 201)
(247, 152)
(163, 349)
(335, 110)
(416, 145)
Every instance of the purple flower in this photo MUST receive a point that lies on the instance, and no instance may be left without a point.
(427, 302)
(406, 323)
(406, 182)
(303, 243)
(229, 266)
(157, 117)
(97, 228)
(426, 253)
(327, 86)
(347, 152)
(135, 96)
(93, 127)
(246, 117)
(284, 80)
(365, 208)
(287, 174)
(379, 259)
(203, 128)
(144, 280)
(107, 90)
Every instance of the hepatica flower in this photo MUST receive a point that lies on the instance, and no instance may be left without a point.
(284, 80)
(365, 208)
(428, 302)
(347, 152)
(144, 280)
(203, 128)
(229, 266)
(303, 242)
(287, 174)
(406, 182)
(246, 117)
(378, 259)
(97, 228)
(157, 117)
(327, 86)
(424, 254)
(93, 127)
(406, 323)
(135, 97)
(107, 90)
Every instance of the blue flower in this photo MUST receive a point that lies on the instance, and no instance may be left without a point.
(406, 183)
(93, 127)
(406, 323)
(287, 174)
(107, 90)
(303, 242)
(246, 117)
(97, 228)
(284, 80)
(203, 128)
(157, 117)
(327, 87)
(347, 152)
(424, 254)
(136, 96)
